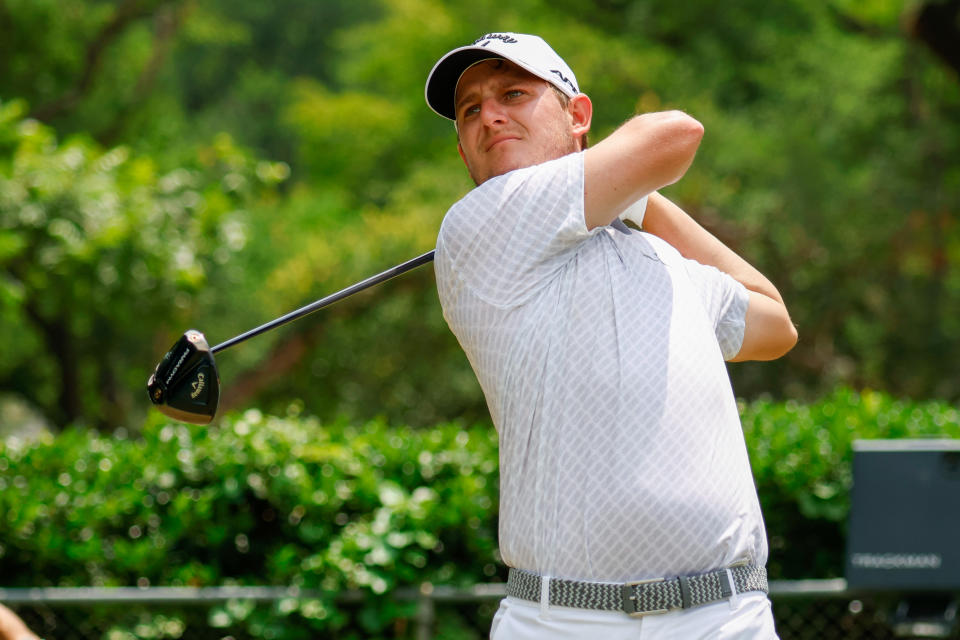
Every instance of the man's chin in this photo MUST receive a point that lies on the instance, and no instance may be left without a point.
(499, 170)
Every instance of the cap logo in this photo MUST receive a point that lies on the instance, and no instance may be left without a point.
(495, 36)
(565, 79)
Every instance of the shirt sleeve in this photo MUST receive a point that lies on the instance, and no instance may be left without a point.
(725, 301)
(515, 232)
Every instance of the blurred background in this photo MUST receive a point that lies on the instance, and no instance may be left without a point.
(212, 164)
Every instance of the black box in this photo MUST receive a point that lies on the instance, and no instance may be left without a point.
(904, 526)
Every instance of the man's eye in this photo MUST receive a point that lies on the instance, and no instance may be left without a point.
(471, 110)
(514, 93)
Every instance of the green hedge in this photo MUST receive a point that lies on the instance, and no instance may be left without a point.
(286, 500)
(254, 500)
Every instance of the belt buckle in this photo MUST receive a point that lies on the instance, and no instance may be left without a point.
(630, 598)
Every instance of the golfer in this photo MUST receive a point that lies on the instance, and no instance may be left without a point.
(628, 507)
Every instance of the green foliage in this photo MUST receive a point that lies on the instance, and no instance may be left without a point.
(260, 499)
(256, 500)
(829, 162)
(95, 246)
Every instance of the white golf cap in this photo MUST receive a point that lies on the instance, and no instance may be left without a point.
(529, 52)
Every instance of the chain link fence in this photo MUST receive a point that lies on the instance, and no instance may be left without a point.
(804, 610)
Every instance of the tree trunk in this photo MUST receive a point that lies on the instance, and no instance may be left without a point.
(61, 345)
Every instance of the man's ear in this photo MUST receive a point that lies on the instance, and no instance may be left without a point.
(462, 157)
(581, 114)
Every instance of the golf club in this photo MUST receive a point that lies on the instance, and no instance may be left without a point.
(185, 384)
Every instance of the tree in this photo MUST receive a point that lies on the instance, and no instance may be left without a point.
(829, 161)
(95, 245)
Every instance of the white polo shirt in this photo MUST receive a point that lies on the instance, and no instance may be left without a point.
(601, 356)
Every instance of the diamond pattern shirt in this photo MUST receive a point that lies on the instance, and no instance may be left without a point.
(601, 357)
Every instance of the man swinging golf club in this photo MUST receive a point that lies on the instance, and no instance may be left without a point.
(628, 508)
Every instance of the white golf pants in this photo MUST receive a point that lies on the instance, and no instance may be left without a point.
(746, 616)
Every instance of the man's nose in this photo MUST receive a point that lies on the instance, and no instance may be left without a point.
(492, 112)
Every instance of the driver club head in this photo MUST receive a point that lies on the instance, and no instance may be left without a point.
(185, 384)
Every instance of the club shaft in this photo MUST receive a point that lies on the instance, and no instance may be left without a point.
(328, 300)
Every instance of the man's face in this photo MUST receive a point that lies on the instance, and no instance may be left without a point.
(508, 119)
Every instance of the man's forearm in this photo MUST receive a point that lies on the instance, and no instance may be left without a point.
(646, 152)
(671, 223)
